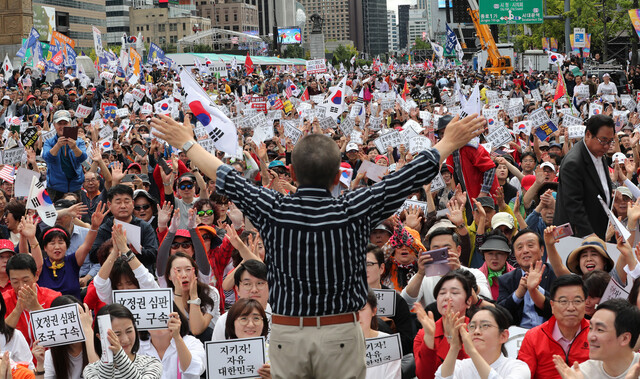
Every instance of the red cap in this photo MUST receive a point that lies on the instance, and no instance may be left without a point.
(6, 245)
(135, 165)
(183, 233)
(528, 181)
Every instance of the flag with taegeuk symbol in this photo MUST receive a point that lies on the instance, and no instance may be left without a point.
(40, 201)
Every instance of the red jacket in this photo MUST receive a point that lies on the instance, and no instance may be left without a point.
(428, 360)
(474, 163)
(539, 347)
(45, 297)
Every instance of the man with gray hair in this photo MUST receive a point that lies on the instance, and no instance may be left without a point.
(64, 157)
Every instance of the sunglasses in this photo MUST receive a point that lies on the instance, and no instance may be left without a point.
(186, 186)
(141, 207)
(208, 212)
(184, 245)
(207, 237)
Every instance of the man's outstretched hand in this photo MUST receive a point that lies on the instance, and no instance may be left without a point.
(172, 131)
(459, 133)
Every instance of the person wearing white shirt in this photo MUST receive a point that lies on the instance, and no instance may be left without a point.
(420, 287)
(607, 87)
(483, 341)
(613, 333)
(369, 324)
(250, 283)
(182, 355)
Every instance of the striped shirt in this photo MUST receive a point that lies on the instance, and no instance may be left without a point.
(315, 244)
(142, 367)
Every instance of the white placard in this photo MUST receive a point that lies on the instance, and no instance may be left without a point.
(291, 132)
(373, 171)
(576, 131)
(499, 136)
(614, 291)
(208, 144)
(535, 94)
(22, 183)
(346, 125)
(538, 117)
(239, 358)
(328, 123)
(437, 183)
(137, 94)
(386, 302)
(133, 234)
(83, 111)
(146, 108)
(12, 156)
(316, 66)
(418, 144)
(104, 324)
(415, 204)
(619, 227)
(150, 307)
(568, 120)
(57, 326)
(122, 112)
(381, 350)
(389, 139)
(516, 335)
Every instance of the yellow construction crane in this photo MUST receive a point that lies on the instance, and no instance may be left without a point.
(496, 64)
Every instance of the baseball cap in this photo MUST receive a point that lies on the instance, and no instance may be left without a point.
(61, 115)
(187, 177)
(486, 201)
(63, 204)
(6, 246)
(549, 165)
(528, 181)
(618, 158)
(606, 75)
(140, 192)
(352, 146)
(625, 191)
(502, 218)
(443, 122)
(384, 227)
(555, 144)
(276, 163)
(132, 165)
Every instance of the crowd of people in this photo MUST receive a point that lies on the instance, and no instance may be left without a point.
(290, 237)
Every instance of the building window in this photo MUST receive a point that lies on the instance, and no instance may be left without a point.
(184, 26)
(235, 17)
(173, 39)
(162, 27)
(147, 27)
(173, 27)
(226, 18)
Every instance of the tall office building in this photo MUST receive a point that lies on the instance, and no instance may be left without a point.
(376, 35)
(237, 16)
(285, 14)
(418, 24)
(336, 19)
(75, 18)
(403, 25)
(392, 28)
(165, 26)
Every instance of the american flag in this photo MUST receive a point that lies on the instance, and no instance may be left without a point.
(7, 173)
(288, 91)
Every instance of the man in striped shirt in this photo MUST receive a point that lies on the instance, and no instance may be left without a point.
(315, 244)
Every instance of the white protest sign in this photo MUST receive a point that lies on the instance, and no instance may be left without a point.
(208, 144)
(381, 350)
(373, 171)
(576, 131)
(535, 94)
(346, 125)
(418, 144)
(12, 156)
(150, 307)
(356, 137)
(133, 235)
(437, 184)
(290, 131)
(22, 182)
(620, 228)
(57, 326)
(516, 335)
(409, 203)
(515, 111)
(614, 291)
(263, 133)
(355, 110)
(239, 358)
(406, 135)
(146, 108)
(137, 94)
(499, 136)
(386, 302)
(316, 66)
(390, 139)
(104, 324)
(568, 120)
(83, 111)
(122, 112)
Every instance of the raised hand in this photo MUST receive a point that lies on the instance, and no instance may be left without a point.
(117, 173)
(175, 221)
(98, 216)
(28, 227)
(535, 276)
(172, 131)
(413, 219)
(428, 323)
(565, 371)
(549, 237)
(192, 220)
(164, 213)
(455, 212)
(113, 341)
(119, 237)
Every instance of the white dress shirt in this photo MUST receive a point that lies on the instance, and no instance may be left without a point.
(503, 367)
(602, 174)
(170, 358)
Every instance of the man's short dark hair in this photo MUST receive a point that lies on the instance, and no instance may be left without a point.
(254, 267)
(627, 318)
(22, 262)
(567, 281)
(525, 231)
(441, 232)
(316, 161)
(594, 123)
(119, 189)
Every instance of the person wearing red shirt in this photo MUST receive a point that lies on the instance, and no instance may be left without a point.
(26, 295)
(565, 334)
(7, 250)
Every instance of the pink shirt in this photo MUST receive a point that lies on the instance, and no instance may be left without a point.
(557, 335)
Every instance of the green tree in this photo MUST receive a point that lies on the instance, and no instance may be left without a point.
(343, 54)
(420, 44)
(294, 51)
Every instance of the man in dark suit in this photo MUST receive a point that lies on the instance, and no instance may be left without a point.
(583, 176)
(524, 292)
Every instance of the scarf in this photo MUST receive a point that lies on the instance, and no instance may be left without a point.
(399, 275)
(56, 266)
(494, 274)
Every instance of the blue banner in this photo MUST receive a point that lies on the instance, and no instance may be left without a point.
(155, 54)
(70, 60)
(452, 41)
(50, 66)
(29, 42)
(545, 130)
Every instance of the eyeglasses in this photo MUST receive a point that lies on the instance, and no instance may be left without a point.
(91, 180)
(186, 186)
(261, 284)
(370, 264)
(605, 142)
(482, 327)
(184, 245)
(207, 237)
(565, 303)
(244, 320)
(141, 207)
(208, 212)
